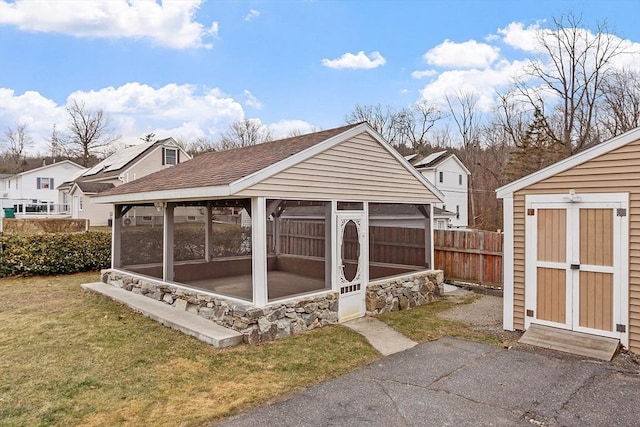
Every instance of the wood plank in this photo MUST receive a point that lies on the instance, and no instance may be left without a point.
(582, 344)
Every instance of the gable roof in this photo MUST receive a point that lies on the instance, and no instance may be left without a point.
(570, 162)
(115, 163)
(434, 159)
(224, 173)
(50, 165)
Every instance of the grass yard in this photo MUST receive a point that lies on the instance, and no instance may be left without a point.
(73, 358)
(422, 324)
(68, 357)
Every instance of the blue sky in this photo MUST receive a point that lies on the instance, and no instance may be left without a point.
(189, 68)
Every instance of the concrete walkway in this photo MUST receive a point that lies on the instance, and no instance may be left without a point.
(173, 317)
(383, 338)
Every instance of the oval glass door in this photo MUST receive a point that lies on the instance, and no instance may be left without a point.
(350, 253)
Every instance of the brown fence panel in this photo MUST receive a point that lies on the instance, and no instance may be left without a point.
(470, 256)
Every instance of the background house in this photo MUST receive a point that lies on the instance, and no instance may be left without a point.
(449, 175)
(121, 167)
(572, 244)
(34, 191)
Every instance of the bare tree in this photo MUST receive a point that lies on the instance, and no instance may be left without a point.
(573, 66)
(244, 133)
(382, 119)
(89, 132)
(199, 146)
(148, 137)
(414, 123)
(466, 115)
(16, 142)
(621, 102)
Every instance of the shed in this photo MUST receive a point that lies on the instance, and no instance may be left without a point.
(317, 272)
(572, 244)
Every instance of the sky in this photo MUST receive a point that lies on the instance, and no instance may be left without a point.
(190, 68)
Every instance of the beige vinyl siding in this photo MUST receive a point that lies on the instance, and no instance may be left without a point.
(359, 169)
(615, 172)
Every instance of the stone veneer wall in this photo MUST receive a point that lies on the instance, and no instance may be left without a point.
(278, 320)
(403, 292)
(258, 325)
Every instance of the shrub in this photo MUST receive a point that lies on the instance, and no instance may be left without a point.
(58, 253)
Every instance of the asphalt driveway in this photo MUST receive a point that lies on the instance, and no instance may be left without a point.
(452, 382)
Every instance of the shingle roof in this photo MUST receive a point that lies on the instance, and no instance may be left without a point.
(225, 167)
(431, 160)
(94, 187)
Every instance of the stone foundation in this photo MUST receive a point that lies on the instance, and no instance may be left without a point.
(258, 325)
(403, 292)
(278, 320)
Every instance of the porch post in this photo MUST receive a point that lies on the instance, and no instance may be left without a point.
(259, 250)
(116, 228)
(208, 232)
(428, 238)
(167, 244)
(328, 244)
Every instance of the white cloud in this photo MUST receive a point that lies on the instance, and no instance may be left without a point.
(420, 74)
(285, 128)
(519, 37)
(253, 13)
(185, 112)
(357, 61)
(483, 83)
(167, 23)
(133, 109)
(250, 100)
(469, 54)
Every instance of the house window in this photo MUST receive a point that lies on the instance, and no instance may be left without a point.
(170, 156)
(147, 218)
(80, 202)
(441, 176)
(191, 218)
(44, 183)
(457, 211)
(460, 179)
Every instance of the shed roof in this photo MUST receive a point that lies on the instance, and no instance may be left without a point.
(223, 173)
(570, 162)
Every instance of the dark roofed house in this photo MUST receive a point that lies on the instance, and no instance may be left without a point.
(123, 166)
(275, 277)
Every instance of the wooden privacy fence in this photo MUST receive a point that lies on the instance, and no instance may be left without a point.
(470, 256)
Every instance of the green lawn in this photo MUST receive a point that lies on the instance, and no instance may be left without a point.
(68, 357)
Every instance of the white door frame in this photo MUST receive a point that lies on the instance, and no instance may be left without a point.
(351, 303)
(572, 202)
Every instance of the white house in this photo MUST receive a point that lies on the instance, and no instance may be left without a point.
(449, 175)
(34, 191)
(121, 167)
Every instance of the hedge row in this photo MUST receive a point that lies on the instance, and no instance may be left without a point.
(58, 253)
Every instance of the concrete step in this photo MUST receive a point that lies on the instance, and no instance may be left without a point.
(173, 317)
(579, 343)
(382, 337)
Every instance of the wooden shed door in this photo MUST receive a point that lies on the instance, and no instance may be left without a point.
(574, 266)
